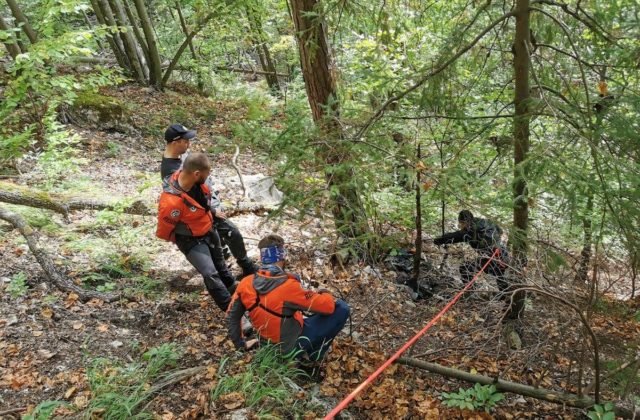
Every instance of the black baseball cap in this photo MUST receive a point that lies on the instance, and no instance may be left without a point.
(177, 132)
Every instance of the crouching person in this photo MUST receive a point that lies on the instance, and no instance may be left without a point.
(275, 299)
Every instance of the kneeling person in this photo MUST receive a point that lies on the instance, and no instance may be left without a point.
(274, 300)
(184, 217)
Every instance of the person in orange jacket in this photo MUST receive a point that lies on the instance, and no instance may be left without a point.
(184, 217)
(275, 300)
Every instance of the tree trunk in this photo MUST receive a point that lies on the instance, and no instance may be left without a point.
(585, 255)
(128, 41)
(514, 387)
(49, 268)
(12, 45)
(21, 18)
(63, 205)
(417, 257)
(185, 31)
(136, 31)
(521, 143)
(105, 17)
(317, 69)
(185, 43)
(260, 40)
(154, 56)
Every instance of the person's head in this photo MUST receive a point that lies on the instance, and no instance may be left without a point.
(179, 137)
(196, 167)
(465, 219)
(272, 250)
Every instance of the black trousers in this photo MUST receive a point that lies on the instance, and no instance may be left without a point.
(468, 269)
(231, 236)
(205, 254)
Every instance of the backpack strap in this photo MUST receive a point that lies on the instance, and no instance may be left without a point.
(258, 304)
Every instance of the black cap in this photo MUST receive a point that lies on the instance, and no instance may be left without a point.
(177, 132)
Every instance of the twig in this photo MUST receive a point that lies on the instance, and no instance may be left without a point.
(49, 268)
(12, 410)
(234, 163)
(594, 340)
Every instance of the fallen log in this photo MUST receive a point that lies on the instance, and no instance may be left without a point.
(12, 194)
(60, 281)
(516, 388)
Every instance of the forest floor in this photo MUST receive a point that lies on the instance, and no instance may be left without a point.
(55, 347)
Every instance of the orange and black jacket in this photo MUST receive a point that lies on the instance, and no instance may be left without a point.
(274, 300)
(180, 214)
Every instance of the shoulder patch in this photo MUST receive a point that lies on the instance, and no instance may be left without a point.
(175, 213)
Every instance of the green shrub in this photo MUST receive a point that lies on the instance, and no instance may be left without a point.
(482, 397)
(18, 286)
(602, 412)
(44, 410)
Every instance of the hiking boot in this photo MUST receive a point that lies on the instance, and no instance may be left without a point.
(311, 369)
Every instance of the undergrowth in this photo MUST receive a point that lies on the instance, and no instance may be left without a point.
(266, 386)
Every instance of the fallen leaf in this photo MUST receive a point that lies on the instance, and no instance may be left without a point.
(45, 354)
(70, 392)
(77, 325)
(71, 300)
(47, 312)
(116, 343)
(103, 328)
(37, 333)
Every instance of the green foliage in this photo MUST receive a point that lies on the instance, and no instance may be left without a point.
(118, 391)
(39, 85)
(602, 412)
(264, 384)
(18, 286)
(479, 397)
(44, 410)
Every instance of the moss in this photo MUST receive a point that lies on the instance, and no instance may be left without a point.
(105, 112)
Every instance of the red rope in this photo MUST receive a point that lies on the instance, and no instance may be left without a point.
(408, 344)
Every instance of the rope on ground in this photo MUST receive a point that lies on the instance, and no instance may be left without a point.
(406, 346)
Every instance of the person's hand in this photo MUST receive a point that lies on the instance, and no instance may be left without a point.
(220, 214)
(250, 344)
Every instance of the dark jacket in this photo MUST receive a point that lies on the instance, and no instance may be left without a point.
(482, 235)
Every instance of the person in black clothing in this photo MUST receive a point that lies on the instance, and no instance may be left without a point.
(483, 236)
(178, 140)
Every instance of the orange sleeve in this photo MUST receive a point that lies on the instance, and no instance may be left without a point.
(169, 214)
(308, 300)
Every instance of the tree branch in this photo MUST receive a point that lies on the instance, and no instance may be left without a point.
(378, 114)
(514, 387)
(61, 282)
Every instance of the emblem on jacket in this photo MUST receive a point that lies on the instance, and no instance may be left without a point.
(175, 213)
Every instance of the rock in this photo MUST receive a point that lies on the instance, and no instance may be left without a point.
(262, 189)
(116, 343)
(241, 414)
(12, 320)
(102, 112)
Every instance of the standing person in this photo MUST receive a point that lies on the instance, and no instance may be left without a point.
(178, 139)
(274, 300)
(184, 217)
(483, 236)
